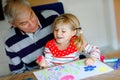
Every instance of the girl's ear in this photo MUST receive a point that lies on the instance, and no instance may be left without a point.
(74, 33)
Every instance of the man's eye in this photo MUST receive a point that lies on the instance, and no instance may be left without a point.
(24, 23)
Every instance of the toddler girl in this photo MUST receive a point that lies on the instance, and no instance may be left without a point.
(68, 43)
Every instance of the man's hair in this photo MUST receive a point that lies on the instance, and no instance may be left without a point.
(13, 8)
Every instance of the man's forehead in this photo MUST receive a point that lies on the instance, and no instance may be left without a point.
(23, 13)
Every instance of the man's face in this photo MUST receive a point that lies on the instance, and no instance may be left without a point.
(26, 21)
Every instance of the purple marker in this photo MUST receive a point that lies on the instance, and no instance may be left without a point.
(117, 64)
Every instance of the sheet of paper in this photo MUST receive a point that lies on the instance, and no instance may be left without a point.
(73, 71)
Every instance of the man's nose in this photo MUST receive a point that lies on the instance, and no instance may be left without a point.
(31, 23)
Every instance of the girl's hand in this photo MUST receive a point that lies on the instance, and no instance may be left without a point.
(41, 61)
(90, 61)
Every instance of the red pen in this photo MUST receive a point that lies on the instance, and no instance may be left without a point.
(39, 59)
(102, 58)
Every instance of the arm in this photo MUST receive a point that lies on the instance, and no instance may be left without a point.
(46, 61)
(49, 57)
(14, 51)
(94, 53)
(15, 64)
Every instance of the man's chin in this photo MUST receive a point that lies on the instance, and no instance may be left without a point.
(34, 30)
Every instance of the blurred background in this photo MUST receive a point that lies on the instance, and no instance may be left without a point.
(100, 21)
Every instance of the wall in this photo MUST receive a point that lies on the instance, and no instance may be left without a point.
(97, 20)
(4, 69)
(109, 16)
(3, 62)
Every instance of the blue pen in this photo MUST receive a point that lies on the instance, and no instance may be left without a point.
(110, 60)
(117, 64)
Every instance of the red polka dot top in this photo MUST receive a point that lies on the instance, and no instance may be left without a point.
(60, 53)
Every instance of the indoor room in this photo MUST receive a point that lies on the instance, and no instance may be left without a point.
(99, 19)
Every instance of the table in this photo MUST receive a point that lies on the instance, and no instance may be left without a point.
(22, 76)
(113, 75)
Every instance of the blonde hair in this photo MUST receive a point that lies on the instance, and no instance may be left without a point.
(75, 25)
(15, 7)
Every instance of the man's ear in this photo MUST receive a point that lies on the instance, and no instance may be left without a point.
(12, 24)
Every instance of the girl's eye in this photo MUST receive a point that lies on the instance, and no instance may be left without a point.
(56, 29)
(63, 31)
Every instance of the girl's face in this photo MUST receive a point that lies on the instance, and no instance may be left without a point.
(63, 33)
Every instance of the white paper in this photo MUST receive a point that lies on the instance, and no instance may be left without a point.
(72, 71)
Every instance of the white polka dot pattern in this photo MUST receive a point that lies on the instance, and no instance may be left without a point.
(59, 53)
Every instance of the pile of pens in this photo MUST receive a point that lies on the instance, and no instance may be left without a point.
(116, 61)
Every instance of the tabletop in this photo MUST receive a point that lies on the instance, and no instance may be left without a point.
(113, 75)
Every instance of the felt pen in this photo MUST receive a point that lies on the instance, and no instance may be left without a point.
(117, 64)
(110, 60)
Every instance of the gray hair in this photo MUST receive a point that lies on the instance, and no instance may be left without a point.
(13, 8)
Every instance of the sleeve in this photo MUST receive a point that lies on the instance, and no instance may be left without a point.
(48, 56)
(92, 50)
(15, 64)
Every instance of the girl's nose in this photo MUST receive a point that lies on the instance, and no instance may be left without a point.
(58, 32)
